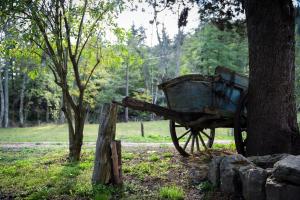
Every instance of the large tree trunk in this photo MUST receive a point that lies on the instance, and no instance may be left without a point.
(1, 101)
(6, 94)
(22, 94)
(272, 120)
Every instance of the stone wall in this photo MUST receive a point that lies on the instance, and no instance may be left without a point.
(270, 177)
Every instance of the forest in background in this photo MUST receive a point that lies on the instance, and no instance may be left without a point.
(29, 95)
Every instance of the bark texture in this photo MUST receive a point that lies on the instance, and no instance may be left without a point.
(126, 90)
(272, 120)
(22, 95)
(1, 101)
(6, 94)
(102, 173)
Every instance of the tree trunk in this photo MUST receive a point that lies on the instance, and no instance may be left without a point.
(272, 120)
(127, 90)
(1, 101)
(22, 94)
(61, 119)
(77, 139)
(6, 94)
(75, 120)
(178, 51)
(47, 113)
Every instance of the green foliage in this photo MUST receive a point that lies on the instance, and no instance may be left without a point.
(205, 186)
(168, 155)
(127, 156)
(210, 47)
(171, 192)
(154, 157)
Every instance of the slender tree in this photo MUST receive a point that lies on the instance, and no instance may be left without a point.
(22, 96)
(1, 98)
(6, 93)
(63, 30)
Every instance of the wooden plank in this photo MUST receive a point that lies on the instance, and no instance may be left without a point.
(115, 162)
(119, 151)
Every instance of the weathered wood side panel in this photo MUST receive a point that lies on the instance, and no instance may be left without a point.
(189, 96)
(228, 89)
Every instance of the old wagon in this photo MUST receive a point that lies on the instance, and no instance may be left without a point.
(197, 105)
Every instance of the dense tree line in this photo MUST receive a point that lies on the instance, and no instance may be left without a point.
(131, 68)
(34, 98)
(58, 65)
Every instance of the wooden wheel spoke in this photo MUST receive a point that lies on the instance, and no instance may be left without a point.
(193, 142)
(178, 125)
(188, 140)
(202, 141)
(197, 144)
(206, 135)
(184, 134)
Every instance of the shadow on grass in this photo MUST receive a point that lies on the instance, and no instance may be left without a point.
(72, 181)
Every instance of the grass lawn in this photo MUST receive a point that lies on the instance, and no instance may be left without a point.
(44, 173)
(155, 131)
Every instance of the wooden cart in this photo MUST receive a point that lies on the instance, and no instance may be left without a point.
(198, 104)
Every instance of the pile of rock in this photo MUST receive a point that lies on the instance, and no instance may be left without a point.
(270, 177)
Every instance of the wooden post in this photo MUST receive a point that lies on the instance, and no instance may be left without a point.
(102, 173)
(142, 129)
(116, 161)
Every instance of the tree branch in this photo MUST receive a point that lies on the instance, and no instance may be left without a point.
(91, 32)
(80, 28)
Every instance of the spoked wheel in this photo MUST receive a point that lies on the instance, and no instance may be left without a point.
(240, 125)
(188, 141)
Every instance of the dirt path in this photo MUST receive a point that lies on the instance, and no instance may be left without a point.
(89, 144)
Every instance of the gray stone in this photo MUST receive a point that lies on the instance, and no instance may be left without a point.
(281, 191)
(288, 169)
(269, 171)
(229, 177)
(267, 161)
(214, 170)
(253, 182)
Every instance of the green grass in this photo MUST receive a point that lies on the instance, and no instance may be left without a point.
(155, 131)
(46, 174)
(171, 192)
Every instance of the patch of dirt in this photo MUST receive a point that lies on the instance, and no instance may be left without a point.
(185, 172)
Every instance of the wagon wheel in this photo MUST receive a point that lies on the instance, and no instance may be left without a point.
(194, 138)
(240, 125)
